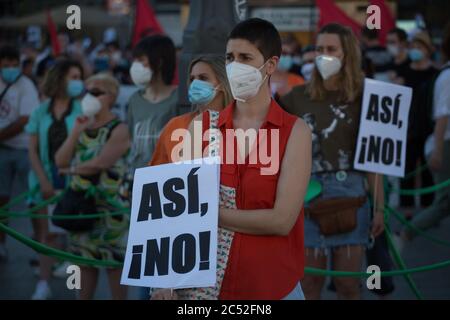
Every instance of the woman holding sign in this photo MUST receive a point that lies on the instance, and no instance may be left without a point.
(260, 243)
(339, 222)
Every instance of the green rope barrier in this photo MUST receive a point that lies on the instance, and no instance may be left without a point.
(419, 231)
(59, 254)
(416, 171)
(65, 217)
(16, 200)
(399, 261)
(420, 191)
(394, 273)
(39, 206)
(113, 264)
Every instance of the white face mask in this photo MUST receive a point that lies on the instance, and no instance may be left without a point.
(140, 75)
(90, 105)
(393, 49)
(328, 66)
(244, 80)
(307, 70)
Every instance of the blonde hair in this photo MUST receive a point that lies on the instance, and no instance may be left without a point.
(111, 84)
(351, 77)
(217, 64)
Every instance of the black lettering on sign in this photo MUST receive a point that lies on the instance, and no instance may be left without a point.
(396, 110)
(362, 152)
(388, 151)
(193, 194)
(386, 103)
(178, 203)
(375, 150)
(183, 253)
(150, 203)
(136, 262)
(157, 257)
(205, 239)
(373, 153)
(372, 111)
(389, 112)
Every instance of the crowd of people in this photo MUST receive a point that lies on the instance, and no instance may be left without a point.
(78, 125)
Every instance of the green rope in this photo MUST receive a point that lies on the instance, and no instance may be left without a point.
(65, 217)
(398, 259)
(43, 249)
(16, 200)
(416, 171)
(420, 191)
(419, 231)
(59, 254)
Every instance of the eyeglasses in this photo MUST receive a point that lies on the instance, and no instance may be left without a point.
(96, 92)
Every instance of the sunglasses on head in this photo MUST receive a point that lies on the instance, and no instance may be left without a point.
(96, 92)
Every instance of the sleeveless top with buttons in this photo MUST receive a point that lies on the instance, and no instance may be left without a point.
(259, 267)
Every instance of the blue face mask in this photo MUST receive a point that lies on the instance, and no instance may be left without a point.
(415, 54)
(285, 63)
(75, 88)
(10, 75)
(201, 92)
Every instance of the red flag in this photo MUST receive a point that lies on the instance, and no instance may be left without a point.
(387, 19)
(56, 46)
(330, 12)
(146, 22)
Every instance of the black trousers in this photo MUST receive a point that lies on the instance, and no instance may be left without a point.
(414, 153)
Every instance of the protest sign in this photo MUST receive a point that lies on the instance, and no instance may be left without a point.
(172, 241)
(381, 145)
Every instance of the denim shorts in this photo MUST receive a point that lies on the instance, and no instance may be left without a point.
(352, 186)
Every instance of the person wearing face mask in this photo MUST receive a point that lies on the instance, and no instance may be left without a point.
(208, 90)
(418, 76)
(155, 103)
(48, 127)
(397, 46)
(331, 105)
(376, 54)
(438, 147)
(261, 216)
(18, 98)
(308, 58)
(94, 154)
(283, 80)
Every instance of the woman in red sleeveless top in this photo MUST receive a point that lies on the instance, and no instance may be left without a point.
(261, 253)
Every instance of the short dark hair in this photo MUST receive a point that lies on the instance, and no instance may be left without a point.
(371, 34)
(446, 42)
(161, 55)
(260, 33)
(54, 82)
(9, 52)
(401, 34)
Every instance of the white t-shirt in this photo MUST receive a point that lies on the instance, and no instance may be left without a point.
(20, 100)
(441, 105)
